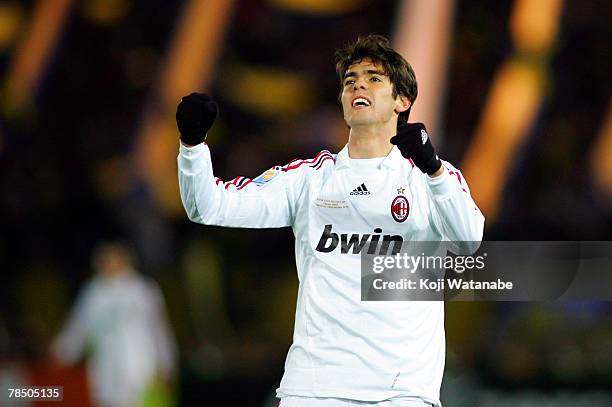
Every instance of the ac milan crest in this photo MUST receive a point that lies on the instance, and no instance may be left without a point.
(400, 208)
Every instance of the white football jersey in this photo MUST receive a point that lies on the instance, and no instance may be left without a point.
(338, 207)
(122, 318)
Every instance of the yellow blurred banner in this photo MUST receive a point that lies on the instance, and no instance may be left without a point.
(189, 66)
(32, 54)
(267, 91)
(515, 97)
(601, 156)
(325, 7)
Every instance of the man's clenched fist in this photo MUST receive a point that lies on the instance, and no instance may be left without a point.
(195, 115)
(413, 142)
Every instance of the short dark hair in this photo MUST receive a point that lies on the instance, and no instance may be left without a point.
(378, 49)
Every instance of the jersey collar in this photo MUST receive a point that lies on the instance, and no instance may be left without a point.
(393, 161)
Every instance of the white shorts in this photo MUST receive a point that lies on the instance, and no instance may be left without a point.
(297, 401)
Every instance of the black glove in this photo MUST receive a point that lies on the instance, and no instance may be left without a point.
(413, 142)
(195, 115)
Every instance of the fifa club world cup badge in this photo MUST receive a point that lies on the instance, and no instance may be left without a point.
(400, 207)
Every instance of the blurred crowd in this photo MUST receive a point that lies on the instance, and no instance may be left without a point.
(215, 306)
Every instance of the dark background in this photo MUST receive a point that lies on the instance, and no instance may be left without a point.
(70, 178)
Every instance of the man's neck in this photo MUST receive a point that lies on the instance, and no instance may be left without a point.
(369, 142)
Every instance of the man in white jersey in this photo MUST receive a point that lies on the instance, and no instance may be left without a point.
(385, 187)
(120, 318)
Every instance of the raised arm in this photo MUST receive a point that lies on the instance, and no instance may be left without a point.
(454, 213)
(264, 202)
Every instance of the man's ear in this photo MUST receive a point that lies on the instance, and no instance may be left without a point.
(402, 103)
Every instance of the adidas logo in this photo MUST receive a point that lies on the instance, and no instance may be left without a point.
(360, 190)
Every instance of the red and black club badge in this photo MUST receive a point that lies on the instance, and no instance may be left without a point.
(400, 208)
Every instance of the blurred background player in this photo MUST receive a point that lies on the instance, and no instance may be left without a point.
(119, 323)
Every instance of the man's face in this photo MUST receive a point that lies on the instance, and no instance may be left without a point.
(367, 95)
